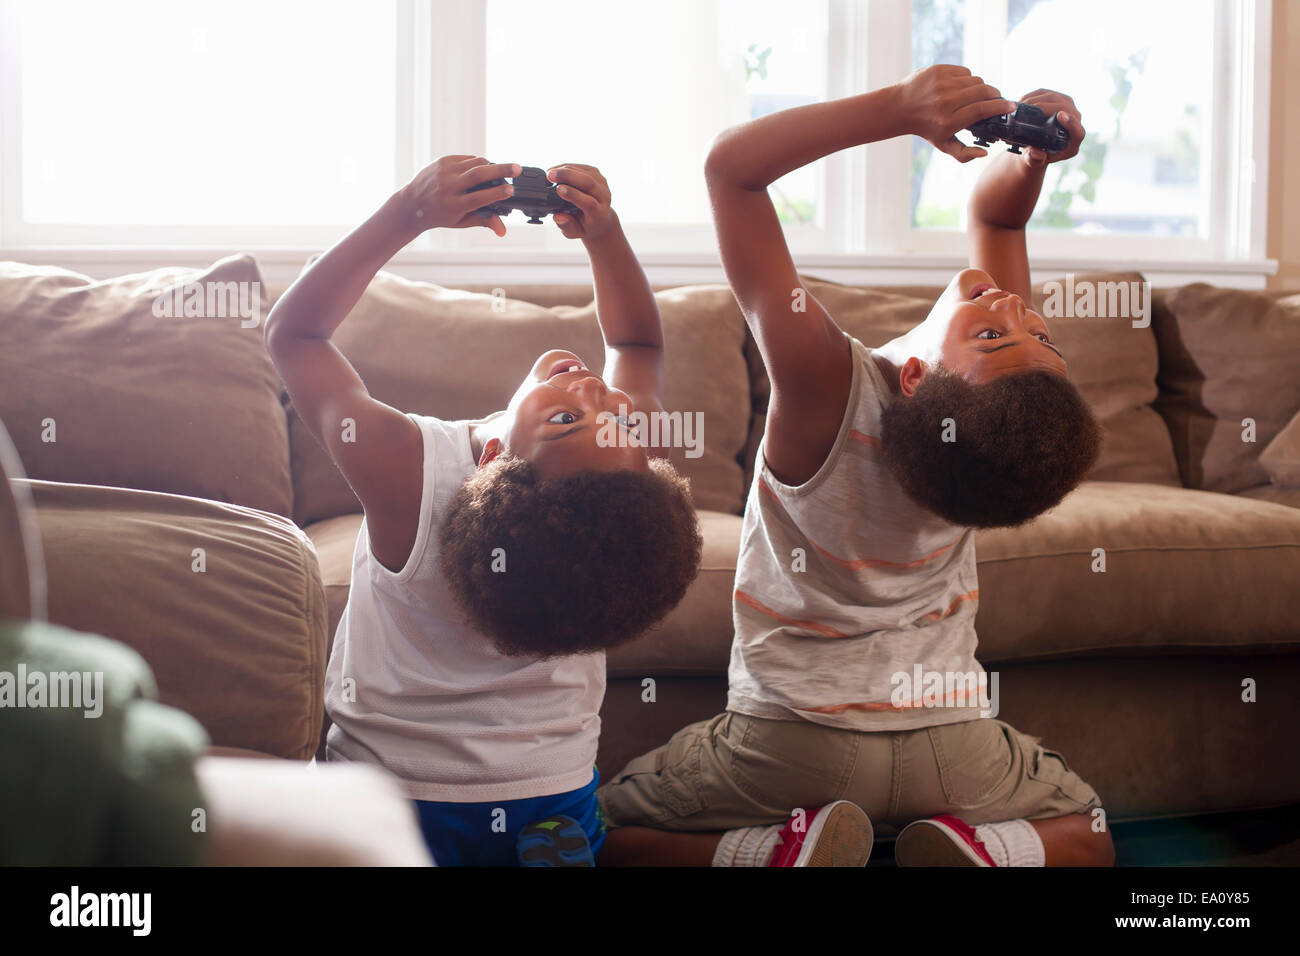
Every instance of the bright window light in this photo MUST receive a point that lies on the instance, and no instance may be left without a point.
(640, 90)
(1144, 90)
(140, 112)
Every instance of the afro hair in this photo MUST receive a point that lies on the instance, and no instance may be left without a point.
(568, 565)
(990, 455)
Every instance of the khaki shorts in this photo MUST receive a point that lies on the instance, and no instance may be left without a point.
(737, 771)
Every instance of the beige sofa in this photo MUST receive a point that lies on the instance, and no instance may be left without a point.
(186, 511)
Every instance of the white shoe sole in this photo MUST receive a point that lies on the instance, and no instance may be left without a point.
(840, 835)
(931, 843)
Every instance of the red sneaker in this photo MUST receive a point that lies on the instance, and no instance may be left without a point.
(940, 841)
(838, 834)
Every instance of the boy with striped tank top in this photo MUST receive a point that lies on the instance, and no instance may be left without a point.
(857, 560)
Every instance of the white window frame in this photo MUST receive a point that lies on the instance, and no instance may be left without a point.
(865, 235)
(464, 125)
(1239, 116)
(15, 233)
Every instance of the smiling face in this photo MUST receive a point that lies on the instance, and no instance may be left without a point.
(984, 364)
(981, 332)
(558, 416)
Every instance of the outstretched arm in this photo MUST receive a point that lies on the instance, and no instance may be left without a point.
(1005, 196)
(381, 452)
(625, 305)
(806, 355)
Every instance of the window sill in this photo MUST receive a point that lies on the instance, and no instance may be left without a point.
(506, 267)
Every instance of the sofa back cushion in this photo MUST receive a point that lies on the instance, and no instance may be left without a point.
(456, 354)
(1281, 457)
(1113, 364)
(1226, 355)
(99, 388)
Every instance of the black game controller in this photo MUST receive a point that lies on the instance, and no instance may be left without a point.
(1027, 126)
(534, 196)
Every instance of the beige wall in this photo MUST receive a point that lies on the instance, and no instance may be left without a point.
(1284, 147)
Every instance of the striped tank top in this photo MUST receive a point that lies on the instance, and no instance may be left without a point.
(854, 607)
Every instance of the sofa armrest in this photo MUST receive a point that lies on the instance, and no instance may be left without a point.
(223, 602)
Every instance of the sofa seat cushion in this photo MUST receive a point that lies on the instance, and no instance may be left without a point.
(224, 603)
(1184, 571)
(1289, 496)
(334, 540)
(455, 354)
(694, 639)
(159, 381)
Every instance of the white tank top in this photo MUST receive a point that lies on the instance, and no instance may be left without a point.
(412, 687)
(844, 582)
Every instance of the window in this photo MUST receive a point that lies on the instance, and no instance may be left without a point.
(1144, 92)
(684, 71)
(252, 125)
(671, 76)
(1161, 99)
(195, 126)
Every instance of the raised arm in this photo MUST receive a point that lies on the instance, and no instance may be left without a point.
(1005, 196)
(806, 354)
(625, 305)
(377, 448)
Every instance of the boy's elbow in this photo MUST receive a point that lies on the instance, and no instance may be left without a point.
(717, 163)
(730, 163)
(269, 331)
(278, 327)
(273, 334)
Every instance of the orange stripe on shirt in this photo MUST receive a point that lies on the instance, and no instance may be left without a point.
(939, 616)
(859, 564)
(869, 440)
(762, 608)
(840, 708)
(764, 487)
(877, 706)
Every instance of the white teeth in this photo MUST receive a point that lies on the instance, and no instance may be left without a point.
(565, 367)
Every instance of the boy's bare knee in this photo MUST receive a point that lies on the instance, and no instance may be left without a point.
(1103, 847)
(1094, 847)
(1071, 841)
